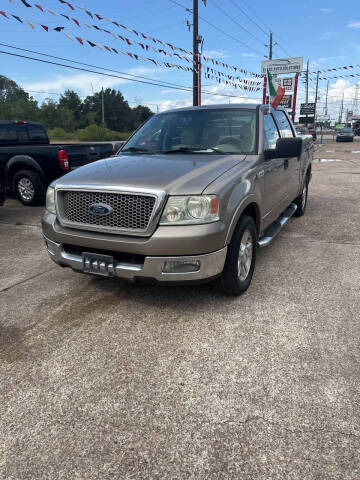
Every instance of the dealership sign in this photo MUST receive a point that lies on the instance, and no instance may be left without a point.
(286, 101)
(285, 82)
(282, 65)
(307, 109)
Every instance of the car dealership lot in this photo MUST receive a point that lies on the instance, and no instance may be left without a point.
(103, 379)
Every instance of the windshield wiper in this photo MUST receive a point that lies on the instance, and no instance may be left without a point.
(135, 150)
(194, 149)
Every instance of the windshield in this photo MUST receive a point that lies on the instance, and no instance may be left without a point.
(346, 130)
(207, 131)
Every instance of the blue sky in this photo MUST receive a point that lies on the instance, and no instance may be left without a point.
(325, 33)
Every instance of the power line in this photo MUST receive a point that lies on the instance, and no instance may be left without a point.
(247, 16)
(218, 29)
(230, 36)
(237, 23)
(85, 64)
(183, 88)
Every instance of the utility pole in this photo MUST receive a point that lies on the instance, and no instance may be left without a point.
(316, 96)
(102, 108)
(326, 99)
(271, 46)
(195, 53)
(341, 109)
(307, 82)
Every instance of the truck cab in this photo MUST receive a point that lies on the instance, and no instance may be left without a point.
(190, 197)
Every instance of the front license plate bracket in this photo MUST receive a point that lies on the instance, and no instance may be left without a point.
(98, 264)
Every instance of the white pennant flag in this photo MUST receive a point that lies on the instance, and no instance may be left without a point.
(69, 36)
(88, 26)
(31, 24)
(51, 11)
(114, 35)
(98, 46)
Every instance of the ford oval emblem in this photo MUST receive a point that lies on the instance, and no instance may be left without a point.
(100, 209)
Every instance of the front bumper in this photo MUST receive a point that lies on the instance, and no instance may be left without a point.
(210, 265)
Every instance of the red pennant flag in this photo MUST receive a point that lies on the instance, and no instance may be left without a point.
(39, 7)
(98, 16)
(76, 21)
(128, 41)
(70, 6)
(80, 40)
(45, 28)
(107, 48)
(130, 54)
(3, 14)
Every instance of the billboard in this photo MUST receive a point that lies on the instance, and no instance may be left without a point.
(282, 65)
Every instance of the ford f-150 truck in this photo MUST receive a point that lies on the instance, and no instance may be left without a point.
(189, 198)
(31, 163)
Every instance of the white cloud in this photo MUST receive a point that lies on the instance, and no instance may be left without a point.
(209, 99)
(247, 55)
(84, 83)
(325, 10)
(215, 53)
(353, 25)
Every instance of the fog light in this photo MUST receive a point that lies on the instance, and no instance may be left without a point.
(178, 266)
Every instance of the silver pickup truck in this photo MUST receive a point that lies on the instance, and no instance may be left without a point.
(189, 198)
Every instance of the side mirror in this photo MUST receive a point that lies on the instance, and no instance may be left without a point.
(285, 147)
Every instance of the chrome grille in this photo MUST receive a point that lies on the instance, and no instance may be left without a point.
(130, 211)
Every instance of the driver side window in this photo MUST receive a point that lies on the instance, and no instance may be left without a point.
(271, 131)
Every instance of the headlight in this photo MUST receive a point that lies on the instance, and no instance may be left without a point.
(186, 210)
(50, 200)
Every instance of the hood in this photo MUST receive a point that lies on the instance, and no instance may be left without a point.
(176, 174)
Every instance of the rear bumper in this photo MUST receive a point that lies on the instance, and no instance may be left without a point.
(209, 265)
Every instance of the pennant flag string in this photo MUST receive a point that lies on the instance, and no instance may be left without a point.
(220, 77)
(143, 35)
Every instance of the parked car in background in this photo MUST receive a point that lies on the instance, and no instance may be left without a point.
(303, 130)
(189, 198)
(312, 131)
(31, 163)
(2, 185)
(300, 130)
(345, 135)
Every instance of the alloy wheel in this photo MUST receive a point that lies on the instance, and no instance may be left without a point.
(245, 255)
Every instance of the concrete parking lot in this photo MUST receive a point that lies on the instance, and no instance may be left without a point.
(101, 379)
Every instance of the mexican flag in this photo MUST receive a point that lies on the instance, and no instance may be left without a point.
(275, 95)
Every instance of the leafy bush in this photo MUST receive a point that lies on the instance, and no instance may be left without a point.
(58, 133)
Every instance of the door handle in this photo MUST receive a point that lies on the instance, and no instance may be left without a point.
(286, 163)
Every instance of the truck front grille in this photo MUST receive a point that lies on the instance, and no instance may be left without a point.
(129, 211)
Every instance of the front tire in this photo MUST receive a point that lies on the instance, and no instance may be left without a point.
(240, 261)
(29, 188)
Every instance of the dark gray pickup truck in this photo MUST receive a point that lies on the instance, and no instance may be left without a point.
(189, 198)
(30, 162)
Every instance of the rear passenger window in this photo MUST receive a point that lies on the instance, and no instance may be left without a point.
(271, 131)
(7, 133)
(22, 133)
(283, 124)
(37, 133)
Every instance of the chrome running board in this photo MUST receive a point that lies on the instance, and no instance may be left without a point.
(275, 227)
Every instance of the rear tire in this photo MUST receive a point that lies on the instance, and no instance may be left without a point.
(29, 188)
(301, 200)
(240, 260)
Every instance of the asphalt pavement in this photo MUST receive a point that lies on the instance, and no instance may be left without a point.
(100, 379)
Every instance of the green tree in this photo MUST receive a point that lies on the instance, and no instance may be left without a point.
(118, 114)
(71, 101)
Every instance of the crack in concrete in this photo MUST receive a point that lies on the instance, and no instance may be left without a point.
(26, 280)
(20, 224)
